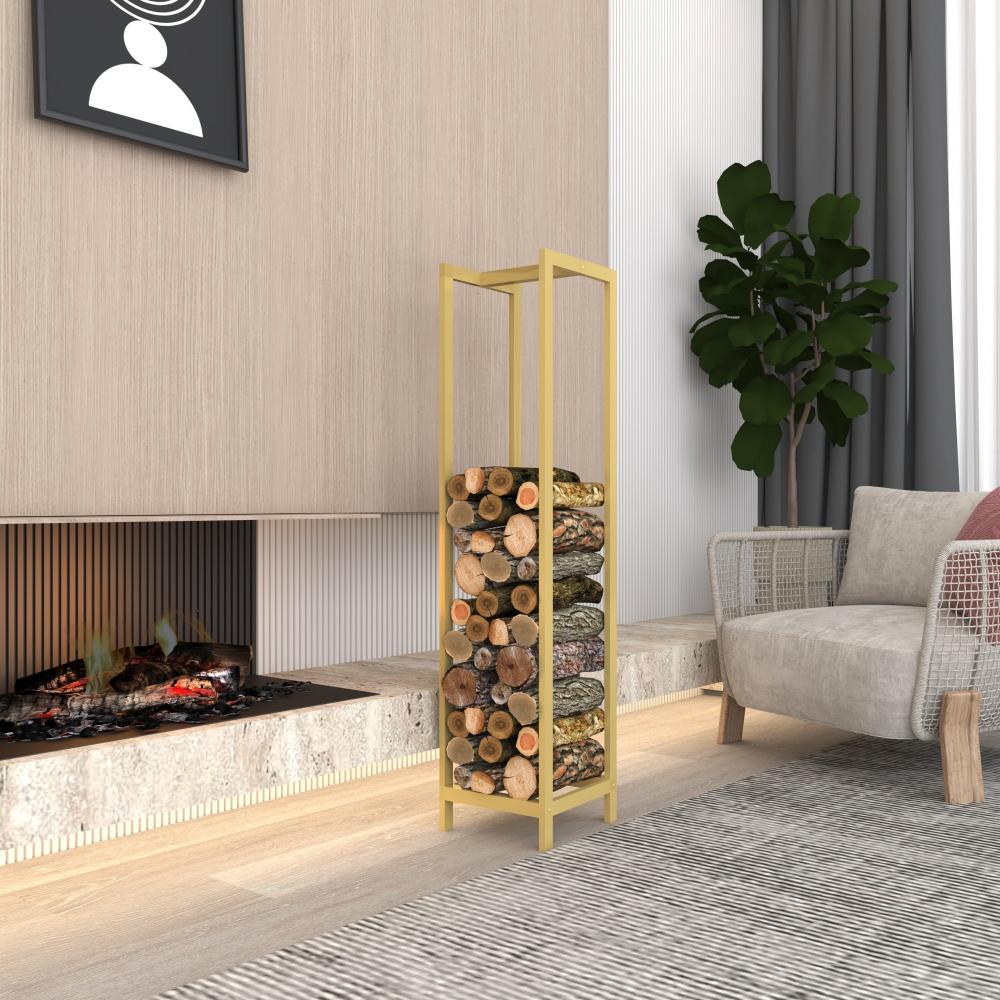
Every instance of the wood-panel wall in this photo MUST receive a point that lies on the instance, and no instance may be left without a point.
(180, 339)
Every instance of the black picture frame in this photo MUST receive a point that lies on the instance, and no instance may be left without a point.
(147, 135)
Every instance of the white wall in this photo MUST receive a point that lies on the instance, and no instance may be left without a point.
(685, 103)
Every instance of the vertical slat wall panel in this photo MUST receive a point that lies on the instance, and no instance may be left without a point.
(61, 582)
(338, 591)
(685, 102)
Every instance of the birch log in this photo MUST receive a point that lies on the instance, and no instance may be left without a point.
(572, 763)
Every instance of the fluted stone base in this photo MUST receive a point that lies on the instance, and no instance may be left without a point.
(65, 798)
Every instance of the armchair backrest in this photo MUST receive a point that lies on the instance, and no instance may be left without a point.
(896, 538)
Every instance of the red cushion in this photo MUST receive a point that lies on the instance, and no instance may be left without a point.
(966, 584)
(984, 521)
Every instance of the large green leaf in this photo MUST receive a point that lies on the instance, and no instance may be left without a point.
(702, 320)
(844, 334)
(731, 368)
(720, 328)
(882, 365)
(726, 286)
(853, 362)
(754, 446)
(750, 370)
(738, 186)
(880, 285)
(764, 216)
(835, 257)
(791, 269)
(752, 329)
(765, 400)
(836, 425)
(852, 404)
(815, 380)
(785, 318)
(782, 351)
(718, 235)
(832, 218)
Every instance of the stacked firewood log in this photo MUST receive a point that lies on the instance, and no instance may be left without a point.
(492, 684)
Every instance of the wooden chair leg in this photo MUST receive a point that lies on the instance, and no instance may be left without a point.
(960, 757)
(730, 720)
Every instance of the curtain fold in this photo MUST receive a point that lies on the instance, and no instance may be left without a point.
(855, 100)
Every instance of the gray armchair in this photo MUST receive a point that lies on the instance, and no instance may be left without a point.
(892, 630)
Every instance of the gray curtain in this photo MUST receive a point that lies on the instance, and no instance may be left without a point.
(855, 100)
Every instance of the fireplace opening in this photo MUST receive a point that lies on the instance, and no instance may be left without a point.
(125, 678)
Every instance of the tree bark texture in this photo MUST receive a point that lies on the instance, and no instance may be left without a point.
(464, 686)
(496, 510)
(564, 564)
(572, 763)
(34, 705)
(477, 542)
(518, 665)
(571, 729)
(563, 495)
(503, 480)
(570, 696)
(493, 751)
(479, 777)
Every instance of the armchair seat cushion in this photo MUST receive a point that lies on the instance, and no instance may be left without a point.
(853, 667)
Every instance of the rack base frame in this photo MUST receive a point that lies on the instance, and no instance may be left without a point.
(551, 265)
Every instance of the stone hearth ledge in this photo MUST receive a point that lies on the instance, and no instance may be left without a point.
(67, 798)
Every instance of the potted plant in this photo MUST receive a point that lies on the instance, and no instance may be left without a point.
(786, 324)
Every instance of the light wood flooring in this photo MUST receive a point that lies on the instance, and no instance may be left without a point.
(129, 918)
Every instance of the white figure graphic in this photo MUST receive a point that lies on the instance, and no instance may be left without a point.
(139, 90)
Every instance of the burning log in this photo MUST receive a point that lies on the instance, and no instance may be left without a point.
(147, 666)
(40, 705)
(230, 664)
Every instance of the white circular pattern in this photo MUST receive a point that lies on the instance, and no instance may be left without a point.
(145, 44)
(163, 13)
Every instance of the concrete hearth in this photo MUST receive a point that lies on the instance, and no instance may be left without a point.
(69, 797)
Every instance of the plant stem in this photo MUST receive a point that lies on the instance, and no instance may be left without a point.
(793, 481)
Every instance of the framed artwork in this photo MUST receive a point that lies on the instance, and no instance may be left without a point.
(165, 72)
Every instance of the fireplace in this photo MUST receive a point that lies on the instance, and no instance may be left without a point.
(114, 630)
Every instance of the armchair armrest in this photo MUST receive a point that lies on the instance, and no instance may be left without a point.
(961, 647)
(760, 571)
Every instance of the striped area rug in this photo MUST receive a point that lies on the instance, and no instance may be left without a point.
(839, 876)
